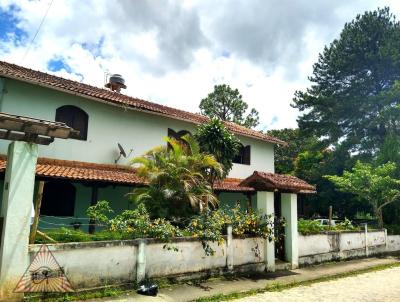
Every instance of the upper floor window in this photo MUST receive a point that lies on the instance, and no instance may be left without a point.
(75, 118)
(178, 135)
(58, 199)
(244, 155)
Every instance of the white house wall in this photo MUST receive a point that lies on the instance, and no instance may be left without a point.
(109, 125)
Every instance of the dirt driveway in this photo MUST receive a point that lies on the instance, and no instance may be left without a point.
(376, 286)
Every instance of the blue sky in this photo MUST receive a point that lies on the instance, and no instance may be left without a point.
(9, 30)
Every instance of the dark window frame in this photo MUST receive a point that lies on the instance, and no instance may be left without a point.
(75, 118)
(59, 199)
(178, 135)
(244, 156)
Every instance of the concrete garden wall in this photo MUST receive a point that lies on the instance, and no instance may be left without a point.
(93, 264)
(344, 245)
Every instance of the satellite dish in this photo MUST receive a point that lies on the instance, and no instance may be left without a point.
(122, 152)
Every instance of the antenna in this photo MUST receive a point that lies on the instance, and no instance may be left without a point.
(122, 152)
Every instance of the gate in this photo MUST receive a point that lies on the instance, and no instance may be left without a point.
(279, 228)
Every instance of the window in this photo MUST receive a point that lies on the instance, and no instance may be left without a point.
(177, 135)
(58, 199)
(244, 156)
(75, 118)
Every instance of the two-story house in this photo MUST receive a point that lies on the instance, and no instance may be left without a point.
(81, 171)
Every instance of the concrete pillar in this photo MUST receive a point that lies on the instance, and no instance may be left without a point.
(141, 262)
(265, 206)
(289, 212)
(16, 211)
(229, 248)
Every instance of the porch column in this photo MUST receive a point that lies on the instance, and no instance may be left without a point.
(16, 213)
(265, 205)
(289, 212)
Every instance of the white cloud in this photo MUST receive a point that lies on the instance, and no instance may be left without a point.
(175, 52)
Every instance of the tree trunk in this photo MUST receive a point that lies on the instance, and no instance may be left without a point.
(379, 215)
(38, 204)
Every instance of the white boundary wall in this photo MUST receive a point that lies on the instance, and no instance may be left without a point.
(344, 245)
(93, 264)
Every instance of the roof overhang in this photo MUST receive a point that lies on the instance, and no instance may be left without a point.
(22, 128)
(262, 181)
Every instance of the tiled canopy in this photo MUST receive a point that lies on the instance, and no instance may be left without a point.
(270, 182)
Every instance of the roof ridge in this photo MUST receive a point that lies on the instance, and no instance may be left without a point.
(83, 89)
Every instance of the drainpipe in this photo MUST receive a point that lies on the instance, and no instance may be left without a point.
(2, 92)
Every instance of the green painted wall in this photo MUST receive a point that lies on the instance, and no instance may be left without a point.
(115, 195)
(231, 199)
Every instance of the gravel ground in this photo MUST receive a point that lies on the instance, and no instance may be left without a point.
(375, 286)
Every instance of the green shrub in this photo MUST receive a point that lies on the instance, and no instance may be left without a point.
(308, 227)
(393, 229)
(209, 226)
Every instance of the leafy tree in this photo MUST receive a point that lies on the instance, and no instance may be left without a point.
(375, 185)
(354, 98)
(177, 177)
(227, 104)
(215, 139)
(285, 156)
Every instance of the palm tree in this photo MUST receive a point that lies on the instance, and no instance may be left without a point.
(177, 176)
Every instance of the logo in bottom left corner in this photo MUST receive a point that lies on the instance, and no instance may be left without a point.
(44, 274)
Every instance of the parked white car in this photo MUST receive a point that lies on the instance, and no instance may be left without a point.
(324, 221)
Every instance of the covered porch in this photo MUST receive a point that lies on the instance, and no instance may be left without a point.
(276, 195)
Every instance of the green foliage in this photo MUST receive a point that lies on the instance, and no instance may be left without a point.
(69, 235)
(100, 211)
(285, 156)
(178, 179)
(215, 139)
(393, 229)
(374, 185)
(210, 226)
(390, 151)
(227, 104)
(310, 227)
(363, 215)
(350, 101)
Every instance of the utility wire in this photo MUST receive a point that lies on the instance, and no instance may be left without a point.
(37, 31)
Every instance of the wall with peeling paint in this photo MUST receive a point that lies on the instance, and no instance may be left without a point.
(333, 246)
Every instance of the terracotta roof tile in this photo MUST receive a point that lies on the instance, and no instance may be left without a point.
(271, 181)
(232, 185)
(98, 94)
(75, 170)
